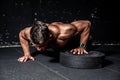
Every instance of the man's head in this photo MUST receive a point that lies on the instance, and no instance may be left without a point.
(39, 33)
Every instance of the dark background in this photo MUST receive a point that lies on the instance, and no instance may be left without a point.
(18, 14)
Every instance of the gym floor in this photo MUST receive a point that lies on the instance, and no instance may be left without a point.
(47, 67)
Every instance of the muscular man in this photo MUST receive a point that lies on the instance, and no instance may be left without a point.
(54, 35)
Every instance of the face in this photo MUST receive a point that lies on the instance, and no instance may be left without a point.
(41, 47)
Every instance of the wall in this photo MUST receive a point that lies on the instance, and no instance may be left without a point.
(18, 14)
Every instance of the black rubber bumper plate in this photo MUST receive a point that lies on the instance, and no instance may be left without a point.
(94, 59)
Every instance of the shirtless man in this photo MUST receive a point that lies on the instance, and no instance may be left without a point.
(54, 35)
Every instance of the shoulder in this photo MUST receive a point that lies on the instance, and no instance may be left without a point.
(56, 23)
(81, 22)
(54, 30)
(53, 27)
(81, 25)
(25, 32)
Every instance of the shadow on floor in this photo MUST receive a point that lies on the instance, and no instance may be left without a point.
(50, 53)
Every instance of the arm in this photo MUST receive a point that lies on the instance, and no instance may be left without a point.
(25, 46)
(84, 28)
(85, 35)
(24, 43)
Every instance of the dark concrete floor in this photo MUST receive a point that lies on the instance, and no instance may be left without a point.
(47, 67)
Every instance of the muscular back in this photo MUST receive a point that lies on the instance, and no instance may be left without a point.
(62, 32)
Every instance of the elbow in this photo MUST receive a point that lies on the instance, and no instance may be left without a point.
(88, 23)
(20, 34)
(87, 27)
(21, 38)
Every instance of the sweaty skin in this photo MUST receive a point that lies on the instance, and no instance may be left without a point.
(60, 34)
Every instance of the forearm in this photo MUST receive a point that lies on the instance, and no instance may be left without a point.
(25, 47)
(83, 41)
(24, 44)
(85, 36)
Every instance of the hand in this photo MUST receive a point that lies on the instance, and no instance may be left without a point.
(79, 51)
(25, 58)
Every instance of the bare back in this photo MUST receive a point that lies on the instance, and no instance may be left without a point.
(63, 32)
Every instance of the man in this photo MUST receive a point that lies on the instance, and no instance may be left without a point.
(55, 35)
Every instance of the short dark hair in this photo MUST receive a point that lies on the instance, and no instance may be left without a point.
(39, 32)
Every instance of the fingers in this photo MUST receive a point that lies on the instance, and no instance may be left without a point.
(85, 52)
(25, 58)
(79, 51)
(74, 51)
(21, 59)
(32, 58)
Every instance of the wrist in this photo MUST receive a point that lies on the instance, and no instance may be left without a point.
(27, 54)
(82, 45)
